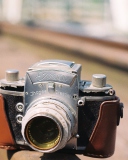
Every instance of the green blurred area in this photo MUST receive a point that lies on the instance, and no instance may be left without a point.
(82, 11)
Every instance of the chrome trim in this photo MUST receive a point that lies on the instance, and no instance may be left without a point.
(98, 98)
(14, 93)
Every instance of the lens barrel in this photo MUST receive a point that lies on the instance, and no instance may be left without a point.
(47, 126)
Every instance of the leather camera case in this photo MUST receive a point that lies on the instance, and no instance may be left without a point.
(6, 137)
(102, 141)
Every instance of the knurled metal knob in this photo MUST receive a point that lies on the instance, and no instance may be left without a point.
(12, 75)
(99, 80)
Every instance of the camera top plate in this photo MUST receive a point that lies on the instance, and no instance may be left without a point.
(86, 86)
(52, 63)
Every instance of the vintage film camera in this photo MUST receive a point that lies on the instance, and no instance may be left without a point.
(52, 109)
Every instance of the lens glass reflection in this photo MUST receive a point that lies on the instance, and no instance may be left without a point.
(42, 133)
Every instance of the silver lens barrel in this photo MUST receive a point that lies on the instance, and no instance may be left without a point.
(52, 113)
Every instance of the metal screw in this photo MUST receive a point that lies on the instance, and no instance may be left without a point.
(19, 118)
(111, 92)
(19, 107)
(77, 136)
(80, 102)
(40, 85)
(75, 96)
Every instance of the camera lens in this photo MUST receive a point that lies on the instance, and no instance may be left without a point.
(48, 125)
(42, 132)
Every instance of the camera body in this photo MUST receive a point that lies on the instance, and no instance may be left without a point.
(52, 109)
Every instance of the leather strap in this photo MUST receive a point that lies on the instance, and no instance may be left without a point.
(102, 140)
(6, 138)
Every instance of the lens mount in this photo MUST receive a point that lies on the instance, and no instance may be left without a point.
(47, 126)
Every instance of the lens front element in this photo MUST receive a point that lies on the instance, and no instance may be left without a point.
(42, 133)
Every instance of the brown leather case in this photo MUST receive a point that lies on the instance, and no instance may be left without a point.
(6, 138)
(102, 141)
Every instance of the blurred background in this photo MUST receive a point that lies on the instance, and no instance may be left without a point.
(93, 33)
(69, 15)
